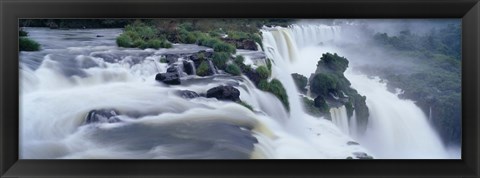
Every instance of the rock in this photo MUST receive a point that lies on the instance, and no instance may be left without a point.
(242, 43)
(98, 36)
(189, 67)
(362, 155)
(349, 157)
(224, 93)
(172, 69)
(188, 94)
(168, 78)
(171, 58)
(352, 143)
(102, 116)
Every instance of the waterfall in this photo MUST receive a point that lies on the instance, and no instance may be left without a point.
(340, 118)
(397, 128)
(57, 94)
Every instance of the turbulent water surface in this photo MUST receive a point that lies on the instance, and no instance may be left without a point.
(77, 72)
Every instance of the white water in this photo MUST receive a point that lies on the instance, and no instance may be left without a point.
(397, 128)
(58, 89)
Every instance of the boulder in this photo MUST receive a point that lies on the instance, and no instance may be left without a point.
(171, 58)
(227, 93)
(168, 78)
(187, 94)
(352, 143)
(362, 155)
(102, 116)
(189, 67)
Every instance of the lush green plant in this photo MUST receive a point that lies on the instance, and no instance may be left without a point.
(239, 59)
(233, 69)
(323, 84)
(163, 60)
(276, 88)
(310, 107)
(26, 44)
(333, 62)
(263, 72)
(220, 59)
(245, 105)
(224, 47)
(203, 69)
(140, 35)
(300, 81)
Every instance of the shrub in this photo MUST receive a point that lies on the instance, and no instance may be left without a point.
(322, 84)
(26, 44)
(124, 41)
(310, 107)
(239, 59)
(276, 88)
(202, 69)
(224, 47)
(300, 81)
(233, 69)
(333, 62)
(245, 105)
(263, 72)
(220, 59)
(269, 64)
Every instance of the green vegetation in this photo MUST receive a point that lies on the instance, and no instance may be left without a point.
(263, 72)
(332, 63)
(141, 35)
(26, 44)
(323, 84)
(300, 81)
(220, 59)
(203, 68)
(233, 69)
(434, 81)
(276, 88)
(310, 107)
(239, 60)
(245, 105)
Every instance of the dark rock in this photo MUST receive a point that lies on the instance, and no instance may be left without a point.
(171, 58)
(188, 94)
(189, 67)
(168, 78)
(242, 43)
(102, 116)
(224, 93)
(172, 69)
(362, 155)
(99, 36)
(349, 157)
(352, 143)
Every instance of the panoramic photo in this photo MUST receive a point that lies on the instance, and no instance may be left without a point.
(240, 88)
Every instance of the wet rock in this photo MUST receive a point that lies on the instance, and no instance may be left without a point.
(172, 58)
(98, 36)
(102, 116)
(362, 155)
(189, 67)
(228, 93)
(168, 78)
(188, 94)
(172, 69)
(352, 143)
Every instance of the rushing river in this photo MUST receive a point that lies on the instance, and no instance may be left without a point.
(78, 71)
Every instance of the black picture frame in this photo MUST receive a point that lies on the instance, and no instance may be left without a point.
(12, 10)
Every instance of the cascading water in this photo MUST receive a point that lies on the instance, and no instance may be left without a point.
(396, 129)
(77, 73)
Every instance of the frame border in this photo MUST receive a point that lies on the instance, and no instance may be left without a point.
(12, 10)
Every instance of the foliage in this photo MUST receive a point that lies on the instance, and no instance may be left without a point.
(263, 72)
(276, 88)
(224, 47)
(141, 35)
(310, 107)
(239, 59)
(220, 59)
(333, 62)
(203, 68)
(22, 33)
(323, 84)
(26, 44)
(245, 105)
(300, 81)
(233, 69)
